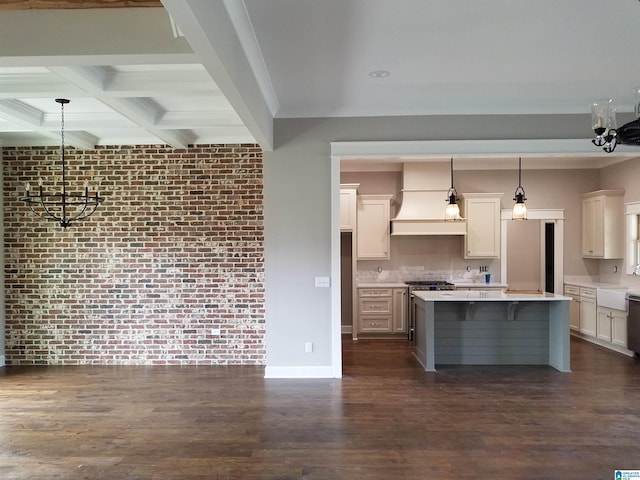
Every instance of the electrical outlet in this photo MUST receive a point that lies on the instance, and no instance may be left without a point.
(323, 282)
(308, 347)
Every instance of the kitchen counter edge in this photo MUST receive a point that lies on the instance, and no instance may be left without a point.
(487, 296)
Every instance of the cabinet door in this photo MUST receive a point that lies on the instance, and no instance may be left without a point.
(400, 310)
(373, 227)
(347, 209)
(593, 227)
(574, 313)
(604, 325)
(588, 318)
(619, 328)
(483, 227)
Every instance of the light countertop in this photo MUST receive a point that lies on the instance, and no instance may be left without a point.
(480, 285)
(487, 296)
(477, 285)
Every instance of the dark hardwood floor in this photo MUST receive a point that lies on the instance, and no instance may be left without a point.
(386, 419)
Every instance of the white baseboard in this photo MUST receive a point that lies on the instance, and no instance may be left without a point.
(347, 329)
(602, 343)
(299, 372)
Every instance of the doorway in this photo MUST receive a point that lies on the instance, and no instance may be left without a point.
(539, 266)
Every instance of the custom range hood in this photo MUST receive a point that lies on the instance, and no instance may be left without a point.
(424, 198)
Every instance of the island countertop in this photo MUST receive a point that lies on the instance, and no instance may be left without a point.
(486, 296)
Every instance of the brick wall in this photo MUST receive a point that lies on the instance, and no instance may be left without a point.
(169, 270)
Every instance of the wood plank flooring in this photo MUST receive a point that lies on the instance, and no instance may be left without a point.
(386, 419)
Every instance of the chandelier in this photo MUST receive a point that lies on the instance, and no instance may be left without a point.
(603, 122)
(62, 207)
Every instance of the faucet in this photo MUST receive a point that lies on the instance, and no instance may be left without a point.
(636, 270)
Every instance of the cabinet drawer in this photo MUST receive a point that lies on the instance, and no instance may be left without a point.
(378, 305)
(377, 323)
(374, 292)
(588, 292)
(571, 290)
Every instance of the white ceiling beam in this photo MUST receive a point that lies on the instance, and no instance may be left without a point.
(33, 121)
(209, 29)
(143, 113)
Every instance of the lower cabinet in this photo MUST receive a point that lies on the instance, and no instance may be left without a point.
(382, 310)
(574, 307)
(612, 326)
(588, 312)
(604, 326)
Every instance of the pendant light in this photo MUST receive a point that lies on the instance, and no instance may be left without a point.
(452, 212)
(519, 208)
(62, 206)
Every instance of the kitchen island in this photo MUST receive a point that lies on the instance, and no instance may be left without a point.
(491, 328)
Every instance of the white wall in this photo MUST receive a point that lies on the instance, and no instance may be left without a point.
(298, 205)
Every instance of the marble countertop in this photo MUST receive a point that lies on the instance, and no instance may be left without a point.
(487, 296)
(591, 284)
(382, 285)
(480, 285)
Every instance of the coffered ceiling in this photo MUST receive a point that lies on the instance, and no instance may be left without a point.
(209, 71)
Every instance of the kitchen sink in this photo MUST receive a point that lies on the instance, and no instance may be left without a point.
(612, 298)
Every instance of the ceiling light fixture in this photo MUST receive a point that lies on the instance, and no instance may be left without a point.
(519, 208)
(452, 212)
(603, 122)
(62, 207)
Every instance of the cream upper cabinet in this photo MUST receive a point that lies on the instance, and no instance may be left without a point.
(482, 211)
(373, 232)
(348, 209)
(603, 224)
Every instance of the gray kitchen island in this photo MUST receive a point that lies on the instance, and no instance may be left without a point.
(491, 328)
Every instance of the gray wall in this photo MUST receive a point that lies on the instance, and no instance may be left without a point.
(298, 209)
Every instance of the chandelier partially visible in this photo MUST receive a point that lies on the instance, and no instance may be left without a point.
(603, 122)
(62, 207)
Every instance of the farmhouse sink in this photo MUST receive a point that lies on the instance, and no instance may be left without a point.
(612, 298)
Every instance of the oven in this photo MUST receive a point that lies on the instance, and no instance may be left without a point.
(633, 323)
(415, 285)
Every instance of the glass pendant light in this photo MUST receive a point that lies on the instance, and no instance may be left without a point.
(519, 208)
(452, 212)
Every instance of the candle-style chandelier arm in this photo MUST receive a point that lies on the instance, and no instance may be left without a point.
(603, 122)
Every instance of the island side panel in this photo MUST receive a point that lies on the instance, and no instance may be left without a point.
(424, 350)
(481, 333)
(559, 333)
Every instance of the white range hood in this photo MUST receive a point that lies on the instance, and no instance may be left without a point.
(424, 199)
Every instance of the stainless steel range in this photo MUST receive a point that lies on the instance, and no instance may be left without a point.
(422, 285)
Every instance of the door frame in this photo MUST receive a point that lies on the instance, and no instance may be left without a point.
(545, 216)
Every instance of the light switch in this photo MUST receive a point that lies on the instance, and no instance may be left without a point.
(323, 282)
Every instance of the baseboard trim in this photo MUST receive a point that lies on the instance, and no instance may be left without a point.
(602, 343)
(2, 364)
(299, 372)
(347, 329)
